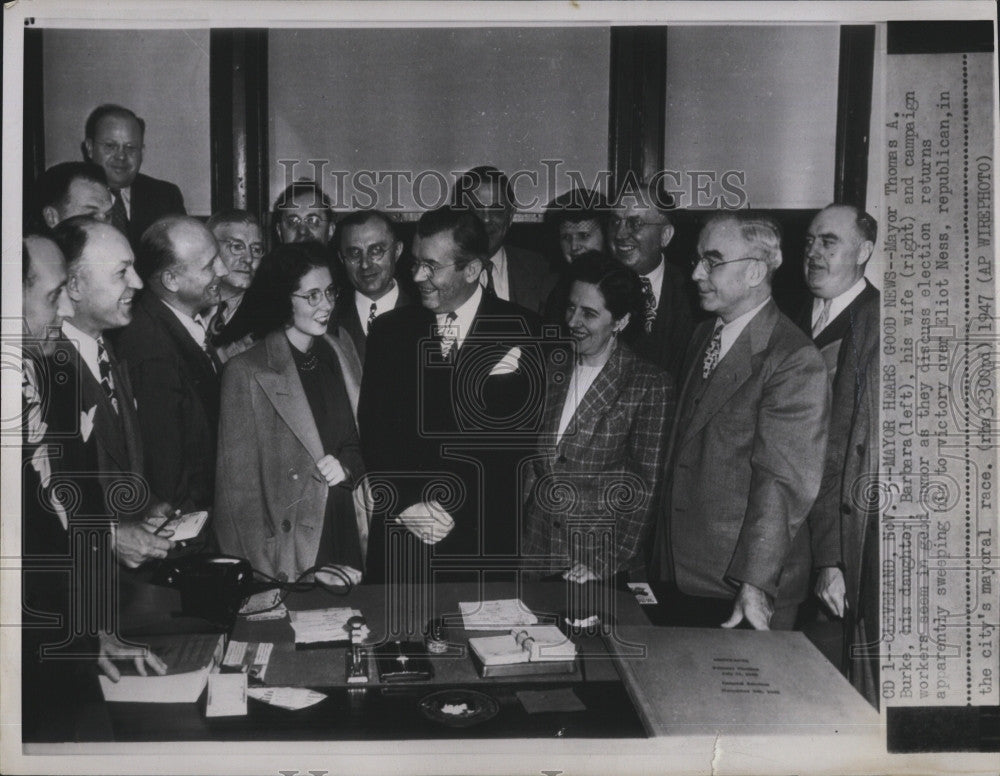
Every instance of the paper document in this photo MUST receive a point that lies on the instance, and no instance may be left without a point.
(227, 695)
(185, 528)
(250, 657)
(501, 614)
(292, 698)
(318, 625)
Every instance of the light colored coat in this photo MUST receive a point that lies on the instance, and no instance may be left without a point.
(270, 498)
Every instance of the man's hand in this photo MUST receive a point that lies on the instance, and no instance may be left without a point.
(752, 605)
(427, 520)
(112, 649)
(580, 573)
(831, 589)
(161, 509)
(136, 542)
(331, 470)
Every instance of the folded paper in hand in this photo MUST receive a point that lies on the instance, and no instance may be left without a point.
(428, 521)
(185, 528)
(508, 364)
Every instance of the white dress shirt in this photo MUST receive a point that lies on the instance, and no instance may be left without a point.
(196, 327)
(86, 345)
(501, 283)
(837, 305)
(382, 305)
(464, 316)
(579, 383)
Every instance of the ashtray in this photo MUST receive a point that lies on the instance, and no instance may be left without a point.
(458, 708)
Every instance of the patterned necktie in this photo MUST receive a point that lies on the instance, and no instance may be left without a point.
(824, 318)
(712, 352)
(218, 322)
(371, 317)
(119, 216)
(490, 288)
(448, 334)
(107, 380)
(32, 401)
(649, 305)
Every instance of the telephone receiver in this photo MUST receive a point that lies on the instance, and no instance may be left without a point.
(212, 587)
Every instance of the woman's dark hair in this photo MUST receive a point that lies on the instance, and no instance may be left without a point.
(267, 305)
(620, 286)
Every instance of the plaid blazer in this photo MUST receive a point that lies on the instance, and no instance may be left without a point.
(592, 493)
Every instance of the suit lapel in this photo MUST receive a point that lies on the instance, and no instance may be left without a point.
(733, 370)
(283, 389)
(189, 349)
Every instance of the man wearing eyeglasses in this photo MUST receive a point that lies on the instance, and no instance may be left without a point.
(369, 250)
(639, 229)
(746, 452)
(241, 247)
(114, 139)
(170, 363)
(303, 213)
(446, 393)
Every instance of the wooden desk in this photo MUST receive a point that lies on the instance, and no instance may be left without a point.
(390, 712)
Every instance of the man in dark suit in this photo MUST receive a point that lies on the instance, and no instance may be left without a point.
(102, 285)
(509, 273)
(66, 190)
(445, 383)
(746, 453)
(60, 696)
(170, 365)
(114, 138)
(369, 249)
(639, 228)
(241, 247)
(843, 320)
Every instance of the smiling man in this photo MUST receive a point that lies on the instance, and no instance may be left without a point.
(369, 250)
(442, 376)
(748, 442)
(170, 365)
(114, 138)
(639, 229)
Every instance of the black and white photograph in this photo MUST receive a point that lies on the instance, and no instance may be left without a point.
(501, 387)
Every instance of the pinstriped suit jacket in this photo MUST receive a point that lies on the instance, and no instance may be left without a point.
(607, 467)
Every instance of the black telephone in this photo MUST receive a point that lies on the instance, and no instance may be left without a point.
(211, 586)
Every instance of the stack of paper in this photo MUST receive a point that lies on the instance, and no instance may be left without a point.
(189, 659)
(502, 614)
(315, 626)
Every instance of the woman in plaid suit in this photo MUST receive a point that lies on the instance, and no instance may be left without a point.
(594, 485)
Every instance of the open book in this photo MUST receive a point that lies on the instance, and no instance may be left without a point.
(525, 650)
(189, 659)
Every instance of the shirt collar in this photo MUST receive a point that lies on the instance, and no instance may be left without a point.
(383, 304)
(195, 326)
(85, 344)
(839, 303)
(464, 315)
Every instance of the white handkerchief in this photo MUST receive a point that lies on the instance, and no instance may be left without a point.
(508, 364)
(87, 423)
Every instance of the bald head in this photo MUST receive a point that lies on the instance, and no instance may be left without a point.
(179, 259)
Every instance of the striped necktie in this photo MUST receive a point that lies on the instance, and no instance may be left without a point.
(372, 311)
(107, 379)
